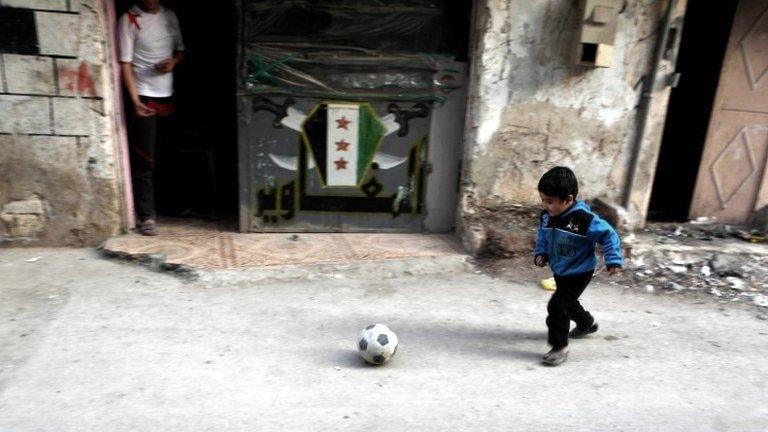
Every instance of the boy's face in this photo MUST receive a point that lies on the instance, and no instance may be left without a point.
(554, 205)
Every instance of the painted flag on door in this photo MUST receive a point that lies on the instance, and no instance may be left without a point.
(343, 144)
(354, 133)
(343, 137)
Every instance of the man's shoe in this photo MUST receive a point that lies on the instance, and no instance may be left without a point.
(556, 357)
(147, 228)
(576, 333)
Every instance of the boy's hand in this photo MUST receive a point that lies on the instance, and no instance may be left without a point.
(614, 270)
(166, 65)
(540, 260)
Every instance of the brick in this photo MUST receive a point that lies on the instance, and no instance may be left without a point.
(57, 5)
(78, 77)
(72, 116)
(25, 115)
(57, 33)
(29, 74)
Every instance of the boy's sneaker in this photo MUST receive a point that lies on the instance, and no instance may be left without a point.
(555, 357)
(576, 333)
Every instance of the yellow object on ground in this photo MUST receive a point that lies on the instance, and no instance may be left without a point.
(549, 284)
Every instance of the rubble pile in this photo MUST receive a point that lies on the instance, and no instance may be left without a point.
(706, 259)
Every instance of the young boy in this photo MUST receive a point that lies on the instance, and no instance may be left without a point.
(568, 232)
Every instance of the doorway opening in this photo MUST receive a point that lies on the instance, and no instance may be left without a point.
(196, 170)
(702, 48)
(351, 115)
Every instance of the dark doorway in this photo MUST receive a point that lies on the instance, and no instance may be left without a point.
(196, 171)
(702, 47)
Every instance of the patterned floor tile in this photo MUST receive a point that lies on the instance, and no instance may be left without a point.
(205, 244)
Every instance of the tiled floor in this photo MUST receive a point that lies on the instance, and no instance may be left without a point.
(202, 244)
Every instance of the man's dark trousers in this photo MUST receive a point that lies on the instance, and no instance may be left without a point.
(145, 132)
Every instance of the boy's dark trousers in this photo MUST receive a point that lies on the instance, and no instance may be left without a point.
(564, 306)
(144, 135)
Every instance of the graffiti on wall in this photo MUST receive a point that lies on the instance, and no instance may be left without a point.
(342, 145)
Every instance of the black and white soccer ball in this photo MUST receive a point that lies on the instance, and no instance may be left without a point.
(377, 344)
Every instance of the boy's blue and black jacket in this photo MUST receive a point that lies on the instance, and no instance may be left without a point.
(568, 241)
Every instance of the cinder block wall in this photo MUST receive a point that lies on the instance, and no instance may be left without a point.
(59, 165)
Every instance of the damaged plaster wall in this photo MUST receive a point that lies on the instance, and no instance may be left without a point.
(531, 108)
(59, 171)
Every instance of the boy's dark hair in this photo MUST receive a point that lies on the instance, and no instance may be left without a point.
(559, 182)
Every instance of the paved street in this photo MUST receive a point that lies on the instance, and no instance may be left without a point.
(91, 344)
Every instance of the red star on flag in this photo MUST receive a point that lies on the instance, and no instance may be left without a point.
(343, 122)
(342, 145)
(341, 164)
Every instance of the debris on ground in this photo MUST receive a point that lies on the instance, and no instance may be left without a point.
(698, 257)
(677, 259)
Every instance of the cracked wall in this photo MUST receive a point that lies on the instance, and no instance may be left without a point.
(59, 172)
(531, 108)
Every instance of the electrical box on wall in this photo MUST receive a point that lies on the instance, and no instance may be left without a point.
(597, 32)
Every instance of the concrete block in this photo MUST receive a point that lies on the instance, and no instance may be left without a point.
(29, 74)
(25, 226)
(72, 116)
(475, 238)
(91, 40)
(57, 33)
(54, 5)
(78, 77)
(45, 166)
(32, 205)
(25, 115)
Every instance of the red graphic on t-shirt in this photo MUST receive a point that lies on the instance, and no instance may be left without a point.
(133, 18)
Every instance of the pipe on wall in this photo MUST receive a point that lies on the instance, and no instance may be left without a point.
(646, 97)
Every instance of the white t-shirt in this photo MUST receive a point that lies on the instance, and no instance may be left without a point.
(145, 40)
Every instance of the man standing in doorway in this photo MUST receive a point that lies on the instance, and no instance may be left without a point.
(150, 48)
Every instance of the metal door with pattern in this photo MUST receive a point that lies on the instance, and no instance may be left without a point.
(732, 181)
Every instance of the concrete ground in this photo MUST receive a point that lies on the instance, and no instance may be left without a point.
(90, 344)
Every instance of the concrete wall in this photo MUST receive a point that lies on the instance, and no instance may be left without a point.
(531, 108)
(59, 170)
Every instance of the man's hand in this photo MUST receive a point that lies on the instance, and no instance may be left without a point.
(143, 110)
(540, 261)
(166, 65)
(614, 270)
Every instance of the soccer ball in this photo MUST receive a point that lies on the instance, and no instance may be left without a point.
(377, 344)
